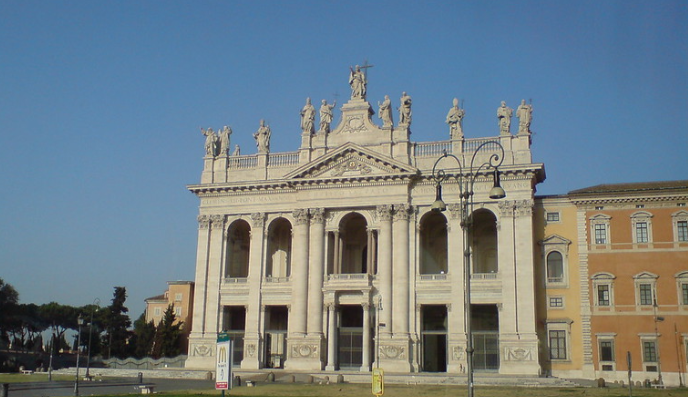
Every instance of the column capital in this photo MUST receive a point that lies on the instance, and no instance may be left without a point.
(300, 216)
(384, 212)
(217, 221)
(317, 215)
(258, 219)
(203, 221)
(402, 211)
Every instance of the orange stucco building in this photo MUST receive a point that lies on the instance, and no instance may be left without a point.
(613, 282)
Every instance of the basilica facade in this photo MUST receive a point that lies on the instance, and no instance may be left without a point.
(331, 258)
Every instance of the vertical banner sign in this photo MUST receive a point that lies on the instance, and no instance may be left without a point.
(378, 382)
(223, 374)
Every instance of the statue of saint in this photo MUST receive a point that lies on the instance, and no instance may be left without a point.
(308, 118)
(237, 151)
(525, 116)
(358, 83)
(504, 115)
(210, 142)
(326, 116)
(385, 112)
(455, 120)
(262, 137)
(405, 109)
(224, 140)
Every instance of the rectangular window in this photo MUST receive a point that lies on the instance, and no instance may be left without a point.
(557, 345)
(603, 295)
(178, 297)
(606, 350)
(646, 294)
(178, 311)
(641, 232)
(600, 233)
(682, 228)
(684, 294)
(649, 352)
(557, 301)
(157, 312)
(552, 217)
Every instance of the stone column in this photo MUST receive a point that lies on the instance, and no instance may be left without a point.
(331, 338)
(517, 337)
(316, 271)
(299, 275)
(365, 366)
(401, 270)
(252, 335)
(200, 354)
(214, 280)
(384, 272)
(456, 362)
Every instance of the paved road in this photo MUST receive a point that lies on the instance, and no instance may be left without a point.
(106, 387)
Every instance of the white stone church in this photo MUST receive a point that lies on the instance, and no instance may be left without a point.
(330, 257)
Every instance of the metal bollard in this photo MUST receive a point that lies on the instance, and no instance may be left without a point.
(140, 377)
(5, 390)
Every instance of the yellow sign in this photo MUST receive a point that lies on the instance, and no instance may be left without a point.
(378, 382)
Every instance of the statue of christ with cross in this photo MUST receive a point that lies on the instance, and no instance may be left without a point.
(358, 81)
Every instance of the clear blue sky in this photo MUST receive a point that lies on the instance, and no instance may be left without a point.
(101, 104)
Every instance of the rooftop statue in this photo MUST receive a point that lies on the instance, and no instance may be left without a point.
(504, 115)
(308, 118)
(405, 109)
(326, 116)
(237, 151)
(385, 112)
(224, 140)
(525, 116)
(210, 142)
(455, 120)
(262, 137)
(358, 83)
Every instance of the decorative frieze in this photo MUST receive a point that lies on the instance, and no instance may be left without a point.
(217, 221)
(518, 353)
(202, 350)
(402, 212)
(305, 350)
(258, 219)
(393, 352)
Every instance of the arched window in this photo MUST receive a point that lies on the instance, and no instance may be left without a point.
(278, 266)
(484, 242)
(353, 244)
(238, 247)
(433, 243)
(555, 267)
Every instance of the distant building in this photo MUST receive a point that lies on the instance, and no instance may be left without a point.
(179, 295)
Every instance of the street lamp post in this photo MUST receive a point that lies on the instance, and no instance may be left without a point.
(96, 303)
(79, 321)
(466, 181)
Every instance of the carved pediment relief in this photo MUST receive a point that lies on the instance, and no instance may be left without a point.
(351, 160)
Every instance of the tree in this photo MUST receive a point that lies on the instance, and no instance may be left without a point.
(59, 317)
(9, 298)
(117, 323)
(144, 336)
(167, 336)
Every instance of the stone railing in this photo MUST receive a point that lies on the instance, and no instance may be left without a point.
(146, 363)
(239, 162)
(433, 277)
(283, 159)
(431, 149)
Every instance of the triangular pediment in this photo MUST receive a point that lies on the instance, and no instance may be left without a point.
(352, 161)
(555, 239)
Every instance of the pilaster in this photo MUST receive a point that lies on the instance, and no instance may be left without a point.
(252, 340)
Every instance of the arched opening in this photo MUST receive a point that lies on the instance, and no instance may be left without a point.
(353, 245)
(433, 244)
(279, 249)
(238, 248)
(555, 267)
(484, 242)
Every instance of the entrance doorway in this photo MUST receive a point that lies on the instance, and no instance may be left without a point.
(485, 323)
(276, 318)
(350, 340)
(434, 338)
